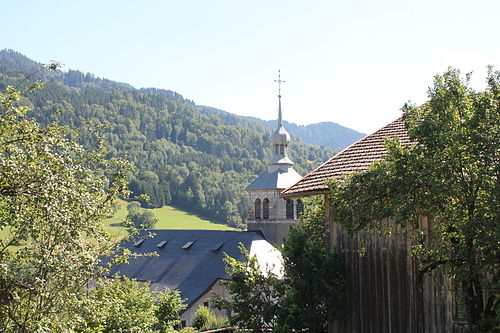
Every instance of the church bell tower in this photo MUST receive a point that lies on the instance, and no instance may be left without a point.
(266, 211)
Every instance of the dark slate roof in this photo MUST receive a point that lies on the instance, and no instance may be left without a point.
(192, 270)
(277, 179)
(357, 157)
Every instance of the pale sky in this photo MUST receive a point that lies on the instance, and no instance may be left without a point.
(351, 62)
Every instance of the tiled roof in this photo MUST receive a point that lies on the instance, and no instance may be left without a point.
(357, 157)
(189, 268)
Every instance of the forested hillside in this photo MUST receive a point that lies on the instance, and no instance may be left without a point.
(322, 134)
(191, 159)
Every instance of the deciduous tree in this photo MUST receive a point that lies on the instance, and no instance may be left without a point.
(53, 197)
(450, 175)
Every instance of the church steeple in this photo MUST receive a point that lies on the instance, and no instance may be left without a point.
(280, 138)
(279, 81)
(266, 211)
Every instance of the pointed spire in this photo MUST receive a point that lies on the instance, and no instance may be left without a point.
(280, 119)
(279, 81)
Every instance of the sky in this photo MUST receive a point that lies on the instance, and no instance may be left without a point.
(353, 62)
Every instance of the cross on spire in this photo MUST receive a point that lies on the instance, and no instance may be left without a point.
(280, 81)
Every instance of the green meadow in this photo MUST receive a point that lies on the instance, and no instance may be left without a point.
(168, 218)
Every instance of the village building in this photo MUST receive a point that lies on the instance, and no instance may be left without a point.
(191, 261)
(266, 210)
(385, 290)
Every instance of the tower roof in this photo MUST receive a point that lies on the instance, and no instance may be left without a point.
(280, 173)
(280, 135)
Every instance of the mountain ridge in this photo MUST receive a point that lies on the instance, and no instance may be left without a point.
(189, 156)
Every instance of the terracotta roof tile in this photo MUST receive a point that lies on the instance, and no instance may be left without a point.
(357, 157)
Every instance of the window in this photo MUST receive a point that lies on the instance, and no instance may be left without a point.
(282, 150)
(300, 207)
(289, 209)
(265, 208)
(257, 209)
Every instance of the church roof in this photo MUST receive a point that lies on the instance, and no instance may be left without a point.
(190, 261)
(277, 179)
(357, 157)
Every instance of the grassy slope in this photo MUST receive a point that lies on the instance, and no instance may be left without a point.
(168, 218)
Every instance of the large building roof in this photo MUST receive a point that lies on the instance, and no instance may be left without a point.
(357, 157)
(190, 261)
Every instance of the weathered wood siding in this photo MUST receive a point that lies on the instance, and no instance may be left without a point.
(385, 290)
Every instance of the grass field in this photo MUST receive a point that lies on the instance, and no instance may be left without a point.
(168, 218)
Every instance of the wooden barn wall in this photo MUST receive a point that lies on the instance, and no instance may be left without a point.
(385, 290)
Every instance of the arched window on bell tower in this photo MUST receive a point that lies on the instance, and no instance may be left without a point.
(265, 209)
(289, 209)
(257, 209)
(300, 208)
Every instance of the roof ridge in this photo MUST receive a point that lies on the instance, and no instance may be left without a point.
(358, 161)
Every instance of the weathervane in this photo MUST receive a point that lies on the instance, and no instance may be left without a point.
(280, 81)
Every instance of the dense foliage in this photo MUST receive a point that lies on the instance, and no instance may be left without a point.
(139, 218)
(449, 175)
(314, 281)
(196, 160)
(205, 320)
(254, 294)
(309, 295)
(54, 195)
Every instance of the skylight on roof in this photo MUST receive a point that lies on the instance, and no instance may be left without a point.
(138, 243)
(187, 245)
(218, 246)
(162, 243)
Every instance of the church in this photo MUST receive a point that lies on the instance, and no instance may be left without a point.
(266, 210)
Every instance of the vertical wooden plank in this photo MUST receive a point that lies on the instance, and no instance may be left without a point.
(403, 292)
(387, 285)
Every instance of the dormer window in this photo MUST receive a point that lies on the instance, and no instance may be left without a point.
(188, 245)
(138, 243)
(161, 244)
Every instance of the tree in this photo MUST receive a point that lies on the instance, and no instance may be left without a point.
(53, 197)
(314, 281)
(253, 302)
(143, 220)
(450, 174)
(202, 317)
(204, 320)
(169, 306)
(309, 295)
(118, 304)
(139, 218)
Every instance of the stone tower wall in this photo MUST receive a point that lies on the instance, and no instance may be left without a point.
(276, 227)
